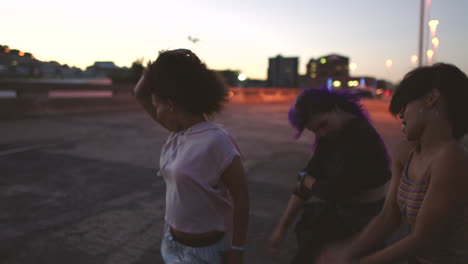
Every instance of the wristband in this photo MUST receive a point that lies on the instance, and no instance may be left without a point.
(237, 248)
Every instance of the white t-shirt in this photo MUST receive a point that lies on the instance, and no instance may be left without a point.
(192, 163)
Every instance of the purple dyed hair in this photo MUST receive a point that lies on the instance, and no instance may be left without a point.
(314, 101)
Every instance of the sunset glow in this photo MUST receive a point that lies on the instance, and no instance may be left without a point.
(239, 36)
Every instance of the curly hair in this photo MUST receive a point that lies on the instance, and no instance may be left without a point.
(313, 101)
(452, 84)
(180, 76)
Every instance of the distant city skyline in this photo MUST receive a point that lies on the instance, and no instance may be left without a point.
(239, 35)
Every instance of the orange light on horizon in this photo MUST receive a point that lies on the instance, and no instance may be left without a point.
(435, 42)
(336, 84)
(433, 26)
(430, 54)
(414, 59)
(21, 53)
(353, 83)
(242, 77)
(388, 63)
(352, 66)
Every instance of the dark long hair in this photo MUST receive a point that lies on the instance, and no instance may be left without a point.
(313, 101)
(452, 84)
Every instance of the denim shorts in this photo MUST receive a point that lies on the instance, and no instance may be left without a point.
(174, 252)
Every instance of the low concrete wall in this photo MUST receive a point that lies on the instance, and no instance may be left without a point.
(262, 95)
(38, 99)
(24, 100)
(28, 107)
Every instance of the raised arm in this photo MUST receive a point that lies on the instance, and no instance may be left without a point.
(143, 95)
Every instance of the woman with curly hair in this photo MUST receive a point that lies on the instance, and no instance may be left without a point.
(206, 188)
(429, 182)
(346, 175)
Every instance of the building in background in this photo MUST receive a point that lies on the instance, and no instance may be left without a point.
(17, 64)
(283, 72)
(23, 65)
(230, 77)
(102, 68)
(320, 71)
(234, 78)
(255, 83)
(332, 72)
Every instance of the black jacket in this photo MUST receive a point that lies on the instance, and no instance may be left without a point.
(351, 161)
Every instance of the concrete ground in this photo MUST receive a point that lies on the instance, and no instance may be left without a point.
(82, 188)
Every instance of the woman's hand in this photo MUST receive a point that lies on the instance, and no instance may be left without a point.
(276, 239)
(295, 205)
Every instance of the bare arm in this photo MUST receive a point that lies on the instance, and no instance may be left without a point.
(236, 181)
(445, 195)
(295, 205)
(143, 95)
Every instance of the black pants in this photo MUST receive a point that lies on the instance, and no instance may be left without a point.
(323, 223)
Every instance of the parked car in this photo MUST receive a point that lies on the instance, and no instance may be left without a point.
(362, 93)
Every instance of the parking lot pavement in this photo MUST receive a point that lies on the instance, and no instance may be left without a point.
(82, 188)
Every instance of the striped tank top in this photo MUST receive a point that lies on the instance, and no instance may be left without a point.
(410, 197)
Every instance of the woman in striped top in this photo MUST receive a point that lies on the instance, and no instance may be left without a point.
(429, 187)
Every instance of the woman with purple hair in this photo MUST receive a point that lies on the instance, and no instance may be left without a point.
(345, 178)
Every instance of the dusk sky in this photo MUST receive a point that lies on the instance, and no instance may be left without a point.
(238, 35)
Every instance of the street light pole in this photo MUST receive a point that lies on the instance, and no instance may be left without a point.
(421, 34)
